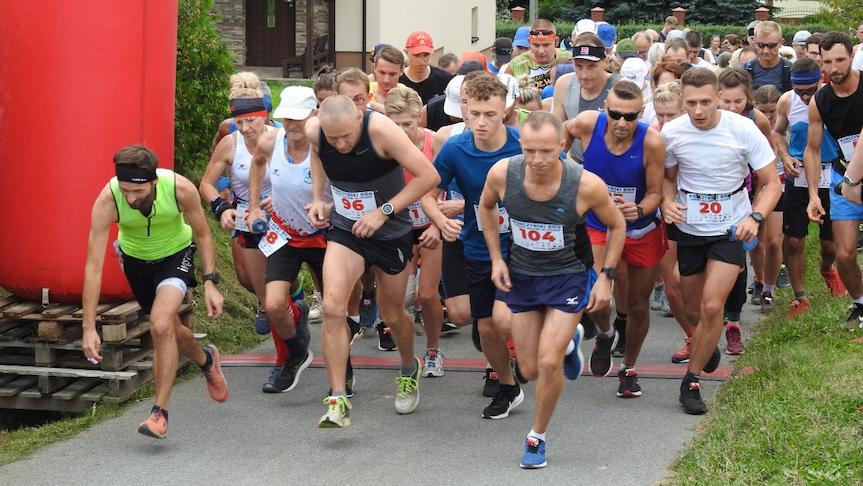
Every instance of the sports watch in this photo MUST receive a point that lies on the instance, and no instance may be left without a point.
(850, 182)
(609, 272)
(758, 217)
(388, 209)
(212, 277)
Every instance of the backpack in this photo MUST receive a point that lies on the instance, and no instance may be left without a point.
(786, 72)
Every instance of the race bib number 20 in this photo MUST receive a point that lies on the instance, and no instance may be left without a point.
(708, 209)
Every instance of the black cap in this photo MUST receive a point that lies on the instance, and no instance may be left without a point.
(502, 49)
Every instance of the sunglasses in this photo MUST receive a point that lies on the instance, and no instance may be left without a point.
(616, 115)
(764, 45)
(806, 92)
(541, 32)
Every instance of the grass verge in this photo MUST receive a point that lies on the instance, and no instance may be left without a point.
(798, 419)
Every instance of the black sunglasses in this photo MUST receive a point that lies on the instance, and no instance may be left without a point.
(541, 32)
(770, 45)
(806, 92)
(616, 115)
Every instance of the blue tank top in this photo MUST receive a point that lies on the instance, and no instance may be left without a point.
(622, 173)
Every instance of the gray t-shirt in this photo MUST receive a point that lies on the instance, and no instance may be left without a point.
(574, 103)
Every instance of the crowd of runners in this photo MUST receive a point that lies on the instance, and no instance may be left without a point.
(552, 194)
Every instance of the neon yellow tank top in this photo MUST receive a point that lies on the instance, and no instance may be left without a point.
(160, 235)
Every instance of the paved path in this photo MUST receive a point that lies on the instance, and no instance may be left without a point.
(596, 438)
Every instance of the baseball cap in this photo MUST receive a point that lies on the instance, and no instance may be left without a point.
(588, 53)
(502, 49)
(297, 103)
(626, 49)
(635, 70)
(584, 25)
(607, 33)
(511, 87)
(521, 35)
(675, 34)
(801, 37)
(452, 102)
(419, 42)
(750, 29)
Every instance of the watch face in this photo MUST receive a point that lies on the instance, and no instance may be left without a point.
(387, 208)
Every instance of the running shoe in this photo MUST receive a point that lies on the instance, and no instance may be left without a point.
(385, 338)
(269, 386)
(620, 347)
(834, 283)
(289, 375)
(798, 307)
(574, 361)
(782, 282)
(713, 362)
(155, 426)
(217, 385)
(682, 354)
(492, 384)
(368, 309)
(474, 335)
(419, 327)
(600, 358)
(589, 327)
(534, 454)
(690, 397)
(629, 387)
(447, 327)
(408, 391)
(432, 363)
(766, 302)
(507, 398)
(757, 294)
(733, 341)
(355, 328)
(855, 317)
(656, 301)
(338, 414)
(316, 315)
(751, 289)
(262, 322)
(666, 306)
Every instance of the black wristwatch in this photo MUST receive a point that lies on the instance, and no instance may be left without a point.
(609, 272)
(388, 209)
(758, 217)
(212, 277)
(850, 182)
(640, 211)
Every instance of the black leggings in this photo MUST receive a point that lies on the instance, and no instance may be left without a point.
(737, 297)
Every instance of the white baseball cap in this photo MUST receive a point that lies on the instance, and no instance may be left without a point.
(800, 37)
(675, 34)
(635, 70)
(452, 102)
(297, 103)
(511, 88)
(584, 25)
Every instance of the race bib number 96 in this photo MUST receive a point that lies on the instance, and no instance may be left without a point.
(708, 209)
(353, 205)
(537, 236)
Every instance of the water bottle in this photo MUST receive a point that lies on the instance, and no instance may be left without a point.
(259, 226)
(747, 246)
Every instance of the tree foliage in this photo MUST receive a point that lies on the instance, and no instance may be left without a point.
(654, 11)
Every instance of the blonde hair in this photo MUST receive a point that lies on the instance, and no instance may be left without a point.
(529, 94)
(655, 53)
(767, 27)
(352, 75)
(667, 93)
(246, 85)
(402, 99)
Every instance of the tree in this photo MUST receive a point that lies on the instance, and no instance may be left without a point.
(655, 11)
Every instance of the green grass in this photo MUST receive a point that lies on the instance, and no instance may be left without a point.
(798, 419)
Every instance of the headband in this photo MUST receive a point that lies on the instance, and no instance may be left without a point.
(806, 77)
(134, 174)
(248, 107)
(543, 38)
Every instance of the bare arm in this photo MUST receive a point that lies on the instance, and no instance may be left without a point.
(780, 135)
(672, 211)
(654, 171)
(103, 215)
(319, 210)
(492, 193)
(263, 152)
(219, 162)
(812, 161)
(561, 87)
(580, 128)
(190, 206)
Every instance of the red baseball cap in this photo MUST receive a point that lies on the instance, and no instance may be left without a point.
(418, 42)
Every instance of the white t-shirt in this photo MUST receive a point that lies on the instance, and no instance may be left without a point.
(715, 162)
(648, 115)
(857, 62)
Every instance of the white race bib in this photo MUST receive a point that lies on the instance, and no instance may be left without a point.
(848, 144)
(537, 236)
(625, 193)
(502, 220)
(708, 208)
(456, 196)
(823, 178)
(240, 222)
(275, 238)
(418, 217)
(353, 205)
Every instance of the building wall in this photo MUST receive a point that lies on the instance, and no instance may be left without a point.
(231, 25)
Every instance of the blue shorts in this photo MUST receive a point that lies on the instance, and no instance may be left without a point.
(842, 209)
(568, 293)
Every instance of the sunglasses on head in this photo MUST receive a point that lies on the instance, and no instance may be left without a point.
(541, 32)
(616, 115)
(767, 45)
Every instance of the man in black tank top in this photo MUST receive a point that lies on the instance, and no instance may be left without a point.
(838, 107)
(369, 227)
(547, 281)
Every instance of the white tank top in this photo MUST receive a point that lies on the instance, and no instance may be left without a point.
(292, 187)
(457, 129)
(799, 111)
(240, 168)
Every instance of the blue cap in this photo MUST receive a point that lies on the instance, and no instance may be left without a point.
(521, 35)
(548, 91)
(607, 33)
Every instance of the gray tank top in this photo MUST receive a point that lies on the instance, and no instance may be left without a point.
(548, 237)
(574, 104)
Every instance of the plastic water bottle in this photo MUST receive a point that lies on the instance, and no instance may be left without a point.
(259, 226)
(747, 246)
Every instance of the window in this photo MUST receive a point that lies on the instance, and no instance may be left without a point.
(474, 25)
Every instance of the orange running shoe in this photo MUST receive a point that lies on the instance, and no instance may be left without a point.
(682, 354)
(217, 385)
(155, 426)
(798, 307)
(834, 283)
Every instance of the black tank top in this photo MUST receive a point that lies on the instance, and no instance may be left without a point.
(842, 116)
(358, 173)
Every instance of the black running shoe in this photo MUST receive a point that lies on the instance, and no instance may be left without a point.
(589, 327)
(474, 334)
(629, 387)
(756, 294)
(600, 358)
(355, 329)
(507, 398)
(690, 397)
(855, 317)
(288, 377)
(713, 363)
(385, 338)
(492, 385)
(620, 328)
(447, 327)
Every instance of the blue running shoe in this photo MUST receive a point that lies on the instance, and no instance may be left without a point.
(368, 310)
(262, 322)
(574, 361)
(534, 454)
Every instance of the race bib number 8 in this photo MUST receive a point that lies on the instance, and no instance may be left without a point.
(537, 236)
(275, 238)
(708, 209)
(502, 220)
(848, 144)
(418, 217)
(627, 194)
(823, 178)
(353, 205)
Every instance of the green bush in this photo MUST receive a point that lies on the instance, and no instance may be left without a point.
(204, 65)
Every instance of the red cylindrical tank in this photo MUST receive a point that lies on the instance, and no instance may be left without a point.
(81, 79)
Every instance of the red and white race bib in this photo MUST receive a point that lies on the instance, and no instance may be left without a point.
(275, 238)
(537, 236)
(502, 220)
(625, 193)
(848, 144)
(353, 205)
(708, 208)
(418, 216)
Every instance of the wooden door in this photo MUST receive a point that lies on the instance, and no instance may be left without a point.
(270, 29)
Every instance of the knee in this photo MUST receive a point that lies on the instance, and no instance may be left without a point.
(794, 245)
(428, 297)
(712, 308)
(457, 316)
(637, 305)
(392, 314)
(276, 305)
(550, 364)
(162, 326)
(333, 310)
(528, 371)
(773, 245)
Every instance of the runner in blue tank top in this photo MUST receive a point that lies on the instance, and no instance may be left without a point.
(628, 156)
